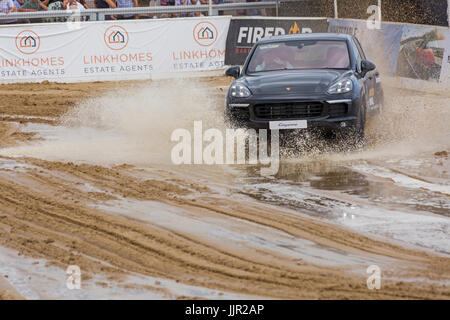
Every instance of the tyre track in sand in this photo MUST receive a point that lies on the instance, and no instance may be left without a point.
(65, 233)
(46, 211)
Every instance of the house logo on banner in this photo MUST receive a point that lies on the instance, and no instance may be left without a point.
(28, 42)
(205, 34)
(116, 37)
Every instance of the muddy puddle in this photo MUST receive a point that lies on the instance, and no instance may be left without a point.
(98, 179)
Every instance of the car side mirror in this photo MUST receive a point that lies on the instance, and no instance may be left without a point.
(233, 72)
(367, 66)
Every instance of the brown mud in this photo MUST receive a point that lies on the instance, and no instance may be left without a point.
(62, 211)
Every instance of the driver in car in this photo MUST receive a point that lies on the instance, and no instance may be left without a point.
(273, 60)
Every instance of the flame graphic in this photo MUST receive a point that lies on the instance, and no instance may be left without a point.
(294, 29)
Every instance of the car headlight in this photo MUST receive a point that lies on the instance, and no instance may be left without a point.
(343, 86)
(239, 91)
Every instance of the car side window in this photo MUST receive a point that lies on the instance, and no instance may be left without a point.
(358, 56)
(361, 51)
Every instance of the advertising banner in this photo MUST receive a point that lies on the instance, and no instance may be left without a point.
(380, 45)
(403, 50)
(106, 50)
(244, 33)
(422, 52)
(445, 74)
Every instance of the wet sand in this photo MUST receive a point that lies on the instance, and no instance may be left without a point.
(84, 180)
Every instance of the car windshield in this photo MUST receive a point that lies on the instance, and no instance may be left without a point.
(300, 54)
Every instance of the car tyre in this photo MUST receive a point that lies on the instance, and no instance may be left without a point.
(353, 138)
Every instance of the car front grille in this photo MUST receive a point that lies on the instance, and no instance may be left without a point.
(240, 114)
(296, 110)
(338, 110)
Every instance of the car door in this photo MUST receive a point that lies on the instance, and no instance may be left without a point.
(372, 81)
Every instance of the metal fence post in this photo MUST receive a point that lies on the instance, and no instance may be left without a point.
(379, 10)
(336, 15)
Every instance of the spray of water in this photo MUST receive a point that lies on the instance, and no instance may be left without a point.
(127, 125)
(134, 125)
(411, 124)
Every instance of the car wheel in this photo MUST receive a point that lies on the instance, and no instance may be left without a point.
(361, 125)
(227, 119)
(230, 122)
(355, 137)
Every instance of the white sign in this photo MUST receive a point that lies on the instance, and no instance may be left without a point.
(111, 50)
(288, 124)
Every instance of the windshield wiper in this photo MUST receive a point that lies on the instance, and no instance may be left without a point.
(283, 69)
(333, 68)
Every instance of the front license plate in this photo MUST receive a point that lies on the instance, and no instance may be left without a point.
(288, 124)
